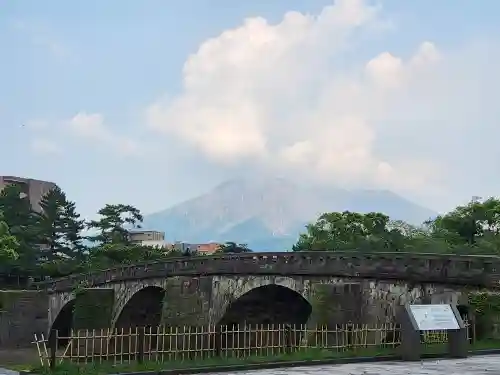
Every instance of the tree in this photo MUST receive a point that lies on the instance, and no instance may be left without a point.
(60, 226)
(468, 229)
(111, 227)
(110, 255)
(74, 227)
(469, 224)
(341, 231)
(8, 244)
(22, 222)
(232, 247)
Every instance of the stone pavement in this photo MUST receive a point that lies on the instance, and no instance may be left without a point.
(4, 371)
(489, 364)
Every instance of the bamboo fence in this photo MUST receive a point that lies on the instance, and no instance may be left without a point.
(189, 343)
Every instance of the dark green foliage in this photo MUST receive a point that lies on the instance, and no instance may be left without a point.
(60, 226)
(342, 231)
(8, 245)
(109, 255)
(50, 244)
(37, 245)
(470, 229)
(111, 226)
(233, 247)
(23, 224)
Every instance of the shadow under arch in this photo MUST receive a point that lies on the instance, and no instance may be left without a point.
(266, 314)
(143, 309)
(63, 324)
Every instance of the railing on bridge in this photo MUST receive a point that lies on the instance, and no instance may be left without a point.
(198, 344)
(471, 270)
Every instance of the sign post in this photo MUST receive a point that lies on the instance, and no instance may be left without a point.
(416, 318)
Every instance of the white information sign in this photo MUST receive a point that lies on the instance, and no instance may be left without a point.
(434, 317)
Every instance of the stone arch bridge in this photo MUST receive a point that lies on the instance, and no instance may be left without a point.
(256, 288)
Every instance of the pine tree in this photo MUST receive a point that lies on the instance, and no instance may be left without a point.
(60, 226)
(74, 225)
(111, 226)
(51, 225)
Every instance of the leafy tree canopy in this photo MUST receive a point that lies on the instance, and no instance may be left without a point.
(23, 225)
(113, 223)
(8, 244)
(233, 247)
(52, 244)
(60, 226)
(471, 228)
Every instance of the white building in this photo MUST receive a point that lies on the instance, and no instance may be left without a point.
(147, 238)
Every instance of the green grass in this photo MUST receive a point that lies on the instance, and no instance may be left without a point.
(107, 368)
(214, 362)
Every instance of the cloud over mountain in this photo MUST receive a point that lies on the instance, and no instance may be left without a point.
(300, 97)
(357, 94)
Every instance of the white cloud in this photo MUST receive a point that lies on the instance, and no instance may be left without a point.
(44, 146)
(281, 96)
(268, 92)
(91, 126)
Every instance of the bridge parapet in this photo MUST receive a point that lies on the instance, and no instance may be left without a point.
(482, 271)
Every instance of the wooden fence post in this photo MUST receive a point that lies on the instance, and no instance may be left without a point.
(53, 348)
(141, 342)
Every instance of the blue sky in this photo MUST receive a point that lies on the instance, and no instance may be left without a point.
(152, 102)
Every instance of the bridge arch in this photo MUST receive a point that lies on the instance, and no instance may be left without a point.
(268, 304)
(142, 307)
(266, 301)
(278, 308)
(62, 321)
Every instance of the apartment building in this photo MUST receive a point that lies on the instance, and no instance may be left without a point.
(34, 190)
(147, 238)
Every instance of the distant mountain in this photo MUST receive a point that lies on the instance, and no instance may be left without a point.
(269, 214)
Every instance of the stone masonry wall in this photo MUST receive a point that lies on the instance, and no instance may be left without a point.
(187, 301)
(341, 301)
(93, 308)
(22, 314)
(338, 300)
(204, 300)
(197, 301)
(480, 271)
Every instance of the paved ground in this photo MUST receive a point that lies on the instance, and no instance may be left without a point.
(16, 356)
(471, 366)
(4, 371)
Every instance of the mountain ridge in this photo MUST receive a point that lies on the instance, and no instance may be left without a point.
(268, 214)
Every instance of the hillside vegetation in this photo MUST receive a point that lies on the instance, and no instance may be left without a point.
(52, 244)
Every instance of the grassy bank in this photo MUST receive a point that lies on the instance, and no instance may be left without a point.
(215, 362)
(109, 368)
